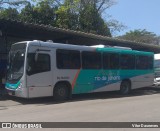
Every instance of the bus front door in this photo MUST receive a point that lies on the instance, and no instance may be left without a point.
(39, 75)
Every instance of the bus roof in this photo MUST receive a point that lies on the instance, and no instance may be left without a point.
(83, 47)
(124, 51)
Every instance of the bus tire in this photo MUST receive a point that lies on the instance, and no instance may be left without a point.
(125, 87)
(61, 92)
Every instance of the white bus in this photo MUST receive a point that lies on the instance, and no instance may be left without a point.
(40, 69)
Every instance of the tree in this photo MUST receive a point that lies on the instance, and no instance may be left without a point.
(143, 36)
(9, 8)
(52, 3)
(42, 13)
(115, 26)
(10, 13)
(67, 15)
(88, 15)
(8, 3)
(82, 15)
(91, 21)
(27, 14)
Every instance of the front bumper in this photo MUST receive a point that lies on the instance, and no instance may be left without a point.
(10, 92)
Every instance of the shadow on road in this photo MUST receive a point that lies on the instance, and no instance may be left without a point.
(83, 97)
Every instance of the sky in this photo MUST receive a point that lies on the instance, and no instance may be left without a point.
(137, 14)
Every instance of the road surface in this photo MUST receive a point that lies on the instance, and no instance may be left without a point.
(140, 106)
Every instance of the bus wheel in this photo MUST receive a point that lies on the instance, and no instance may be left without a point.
(125, 87)
(61, 92)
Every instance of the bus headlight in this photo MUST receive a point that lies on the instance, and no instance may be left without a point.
(20, 86)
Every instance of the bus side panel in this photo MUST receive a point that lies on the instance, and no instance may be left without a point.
(136, 82)
(110, 80)
(65, 75)
(110, 87)
(143, 81)
(39, 85)
(139, 78)
(92, 80)
(21, 93)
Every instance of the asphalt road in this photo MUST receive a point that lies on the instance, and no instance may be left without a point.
(140, 106)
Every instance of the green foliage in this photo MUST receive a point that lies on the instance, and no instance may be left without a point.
(115, 26)
(143, 36)
(42, 13)
(10, 3)
(27, 14)
(80, 15)
(91, 21)
(67, 16)
(10, 13)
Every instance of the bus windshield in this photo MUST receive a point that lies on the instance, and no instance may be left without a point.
(16, 63)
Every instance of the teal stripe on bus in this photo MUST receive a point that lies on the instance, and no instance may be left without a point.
(89, 80)
(12, 86)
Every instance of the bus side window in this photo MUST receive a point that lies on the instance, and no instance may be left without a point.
(41, 65)
(127, 61)
(150, 62)
(105, 61)
(144, 62)
(91, 60)
(113, 61)
(68, 59)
